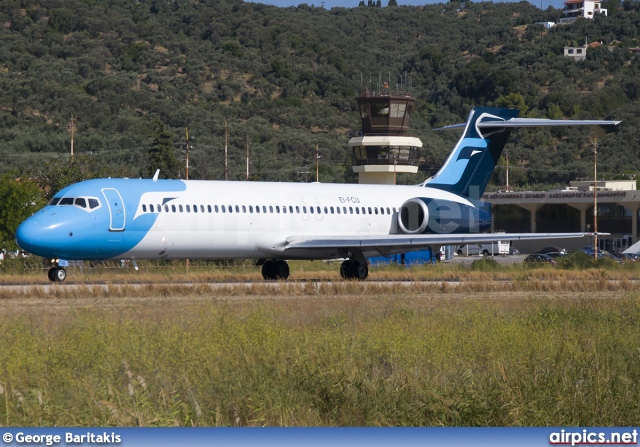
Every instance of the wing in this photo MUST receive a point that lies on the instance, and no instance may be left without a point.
(386, 245)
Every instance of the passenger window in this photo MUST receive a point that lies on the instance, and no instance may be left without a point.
(81, 202)
(237, 209)
(188, 209)
(244, 209)
(251, 209)
(394, 210)
(357, 210)
(278, 209)
(350, 210)
(304, 209)
(144, 208)
(290, 209)
(173, 208)
(364, 211)
(66, 201)
(297, 209)
(318, 210)
(54, 201)
(369, 209)
(331, 210)
(326, 211)
(376, 210)
(230, 209)
(195, 208)
(151, 208)
(166, 208)
(215, 208)
(224, 210)
(284, 209)
(388, 210)
(257, 209)
(180, 208)
(338, 209)
(270, 209)
(344, 209)
(159, 207)
(311, 209)
(264, 209)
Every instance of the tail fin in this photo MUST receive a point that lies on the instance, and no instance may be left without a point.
(468, 169)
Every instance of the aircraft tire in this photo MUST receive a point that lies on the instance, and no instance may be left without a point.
(58, 274)
(345, 270)
(269, 270)
(50, 274)
(361, 271)
(281, 269)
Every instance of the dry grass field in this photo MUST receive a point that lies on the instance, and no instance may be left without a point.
(510, 346)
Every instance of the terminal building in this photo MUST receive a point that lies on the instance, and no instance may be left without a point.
(570, 210)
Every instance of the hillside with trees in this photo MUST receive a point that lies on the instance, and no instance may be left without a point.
(135, 75)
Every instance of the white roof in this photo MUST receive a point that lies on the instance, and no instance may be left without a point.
(385, 140)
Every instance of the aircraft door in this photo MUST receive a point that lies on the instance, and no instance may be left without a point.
(117, 215)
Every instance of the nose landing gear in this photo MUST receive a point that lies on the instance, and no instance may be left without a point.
(57, 274)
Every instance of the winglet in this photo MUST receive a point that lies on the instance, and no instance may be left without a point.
(155, 177)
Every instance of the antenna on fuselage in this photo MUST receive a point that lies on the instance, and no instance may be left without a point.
(155, 176)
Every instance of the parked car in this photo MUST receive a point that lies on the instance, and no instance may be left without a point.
(539, 258)
(555, 254)
(514, 251)
(551, 249)
(627, 257)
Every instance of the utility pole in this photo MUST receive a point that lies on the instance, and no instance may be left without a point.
(226, 151)
(72, 127)
(595, 200)
(507, 170)
(186, 146)
(247, 157)
(317, 161)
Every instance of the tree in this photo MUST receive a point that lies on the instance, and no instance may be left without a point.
(392, 3)
(162, 154)
(20, 198)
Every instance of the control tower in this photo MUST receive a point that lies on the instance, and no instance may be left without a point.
(383, 149)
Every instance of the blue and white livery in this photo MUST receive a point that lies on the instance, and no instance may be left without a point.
(273, 222)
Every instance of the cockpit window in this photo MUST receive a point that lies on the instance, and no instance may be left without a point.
(86, 203)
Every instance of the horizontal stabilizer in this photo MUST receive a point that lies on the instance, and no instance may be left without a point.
(531, 122)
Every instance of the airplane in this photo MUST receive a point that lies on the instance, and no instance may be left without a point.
(272, 222)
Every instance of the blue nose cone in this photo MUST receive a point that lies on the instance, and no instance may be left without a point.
(32, 237)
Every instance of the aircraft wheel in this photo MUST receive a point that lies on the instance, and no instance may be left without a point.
(345, 270)
(57, 274)
(361, 271)
(50, 273)
(281, 269)
(269, 270)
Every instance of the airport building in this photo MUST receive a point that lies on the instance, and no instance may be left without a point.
(570, 210)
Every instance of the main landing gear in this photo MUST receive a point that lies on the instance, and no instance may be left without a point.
(275, 269)
(57, 274)
(353, 269)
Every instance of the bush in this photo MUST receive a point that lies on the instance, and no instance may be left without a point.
(484, 265)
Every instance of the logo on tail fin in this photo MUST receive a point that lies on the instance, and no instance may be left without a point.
(469, 167)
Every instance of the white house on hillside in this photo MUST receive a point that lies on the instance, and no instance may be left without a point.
(575, 9)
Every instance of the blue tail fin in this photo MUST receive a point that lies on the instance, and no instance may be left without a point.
(468, 169)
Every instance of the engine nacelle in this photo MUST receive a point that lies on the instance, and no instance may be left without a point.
(421, 215)
(413, 217)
